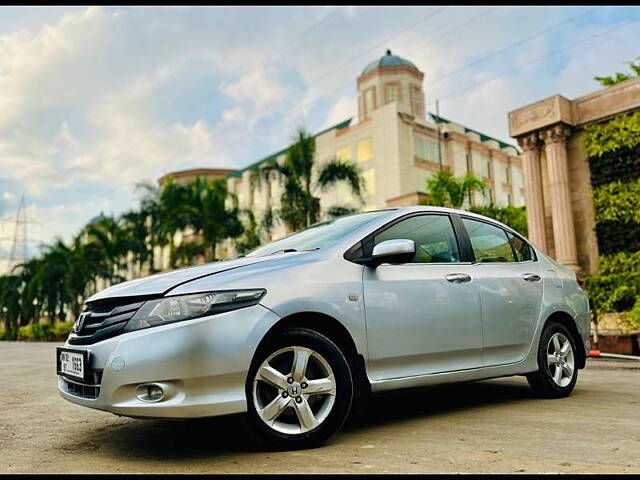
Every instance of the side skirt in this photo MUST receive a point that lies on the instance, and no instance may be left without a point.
(482, 373)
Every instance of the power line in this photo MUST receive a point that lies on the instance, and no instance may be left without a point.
(363, 52)
(555, 52)
(509, 47)
(299, 105)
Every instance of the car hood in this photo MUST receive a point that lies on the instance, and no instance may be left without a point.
(162, 283)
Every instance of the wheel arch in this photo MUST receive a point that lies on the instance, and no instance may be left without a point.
(331, 328)
(567, 321)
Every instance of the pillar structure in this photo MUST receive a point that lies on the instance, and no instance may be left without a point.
(530, 145)
(564, 236)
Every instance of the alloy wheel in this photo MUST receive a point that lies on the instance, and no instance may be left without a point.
(294, 390)
(560, 359)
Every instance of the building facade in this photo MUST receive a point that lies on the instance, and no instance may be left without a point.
(558, 187)
(397, 145)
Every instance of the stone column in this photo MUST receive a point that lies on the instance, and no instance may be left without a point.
(533, 189)
(564, 236)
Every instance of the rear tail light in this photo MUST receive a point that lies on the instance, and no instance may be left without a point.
(581, 283)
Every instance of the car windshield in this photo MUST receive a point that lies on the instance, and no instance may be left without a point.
(318, 235)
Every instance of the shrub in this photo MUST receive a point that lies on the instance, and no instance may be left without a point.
(620, 132)
(617, 202)
(26, 333)
(42, 331)
(61, 330)
(631, 319)
(2, 334)
(617, 288)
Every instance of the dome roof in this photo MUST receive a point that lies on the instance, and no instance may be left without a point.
(388, 60)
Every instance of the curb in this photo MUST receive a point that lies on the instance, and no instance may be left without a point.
(597, 353)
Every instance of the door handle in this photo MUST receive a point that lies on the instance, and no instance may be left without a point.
(458, 278)
(531, 277)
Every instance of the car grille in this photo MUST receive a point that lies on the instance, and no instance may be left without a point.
(82, 390)
(102, 321)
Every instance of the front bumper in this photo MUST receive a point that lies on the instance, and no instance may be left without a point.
(203, 363)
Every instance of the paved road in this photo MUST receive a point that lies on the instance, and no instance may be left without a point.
(490, 426)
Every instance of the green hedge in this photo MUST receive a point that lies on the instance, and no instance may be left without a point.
(618, 237)
(45, 331)
(2, 334)
(617, 165)
(617, 287)
(620, 133)
(613, 148)
(617, 201)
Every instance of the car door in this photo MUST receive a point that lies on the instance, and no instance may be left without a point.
(424, 316)
(509, 280)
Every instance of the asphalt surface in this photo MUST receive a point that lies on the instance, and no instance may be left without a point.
(489, 426)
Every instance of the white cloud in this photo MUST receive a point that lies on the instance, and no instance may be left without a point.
(101, 98)
(344, 108)
(235, 114)
(260, 88)
(8, 196)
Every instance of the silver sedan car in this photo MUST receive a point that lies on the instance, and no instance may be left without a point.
(296, 333)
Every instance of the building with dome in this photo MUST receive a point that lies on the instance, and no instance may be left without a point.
(398, 145)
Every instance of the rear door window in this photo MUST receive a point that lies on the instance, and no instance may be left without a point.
(489, 243)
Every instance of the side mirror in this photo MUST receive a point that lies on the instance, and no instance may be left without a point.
(400, 250)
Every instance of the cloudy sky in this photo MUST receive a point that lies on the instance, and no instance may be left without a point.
(94, 100)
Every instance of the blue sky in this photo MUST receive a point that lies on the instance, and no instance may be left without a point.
(94, 100)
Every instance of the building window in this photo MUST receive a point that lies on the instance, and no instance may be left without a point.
(364, 150)
(504, 173)
(391, 92)
(426, 148)
(416, 101)
(481, 166)
(369, 101)
(422, 176)
(369, 177)
(344, 154)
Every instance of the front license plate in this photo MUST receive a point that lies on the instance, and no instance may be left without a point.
(72, 363)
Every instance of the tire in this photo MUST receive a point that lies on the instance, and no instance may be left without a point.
(547, 382)
(291, 407)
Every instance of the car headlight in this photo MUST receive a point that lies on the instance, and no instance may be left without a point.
(187, 307)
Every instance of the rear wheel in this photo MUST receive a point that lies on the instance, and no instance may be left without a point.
(558, 371)
(299, 390)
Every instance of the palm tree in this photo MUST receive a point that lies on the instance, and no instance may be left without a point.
(299, 205)
(111, 241)
(136, 229)
(445, 190)
(174, 213)
(208, 215)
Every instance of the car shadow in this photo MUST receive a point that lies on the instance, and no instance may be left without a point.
(221, 436)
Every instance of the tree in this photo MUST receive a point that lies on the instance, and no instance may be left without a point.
(302, 177)
(445, 190)
(111, 243)
(10, 308)
(207, 213)
(619, 76)
(251, 237)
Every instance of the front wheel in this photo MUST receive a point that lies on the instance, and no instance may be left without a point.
(558, 372)
(299, 390)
